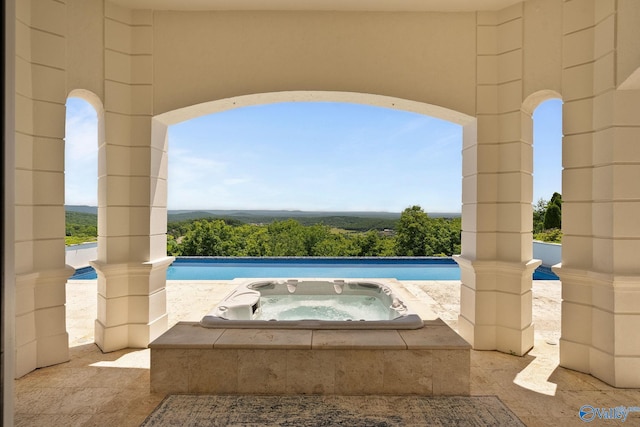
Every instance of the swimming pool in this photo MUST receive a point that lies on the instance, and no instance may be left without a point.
(223, 268)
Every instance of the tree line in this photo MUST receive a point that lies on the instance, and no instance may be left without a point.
(80, 227)
(415, 234)
(547, 219)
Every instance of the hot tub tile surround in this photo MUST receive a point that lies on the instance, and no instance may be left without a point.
(188, 358)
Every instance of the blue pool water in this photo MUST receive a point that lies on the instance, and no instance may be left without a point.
(195, 268)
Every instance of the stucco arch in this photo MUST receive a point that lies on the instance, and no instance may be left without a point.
(260, 53)
(532, 101)
(216, 106)
(529, 106)
(161, 122)
(91, 98)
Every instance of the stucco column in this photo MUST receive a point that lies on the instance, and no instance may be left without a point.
(600, 274)
(41, 273)
(601, 300)
(132, 214)
(496, 261)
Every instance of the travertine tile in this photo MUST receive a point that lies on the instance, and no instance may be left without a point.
(213, 371)
(408, 372)
(60, 376)
(265, 339)
(54, 420)
(120, 419)
(39, 400)
(169, 371)
(359, 372)
(187, 335)
(311, 372)
(83, 401)
(108, 375)
(357, 339)
(451, 372)
(132, 401)
(262, 371)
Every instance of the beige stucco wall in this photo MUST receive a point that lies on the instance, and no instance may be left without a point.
(628, 42)
(426, 57)
(85, 46)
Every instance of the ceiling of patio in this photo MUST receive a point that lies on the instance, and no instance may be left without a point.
(328, 5)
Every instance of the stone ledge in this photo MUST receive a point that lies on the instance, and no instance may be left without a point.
(357, 340)
(436, 335)
(187, 335)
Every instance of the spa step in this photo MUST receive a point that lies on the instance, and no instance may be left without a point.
(433, 360)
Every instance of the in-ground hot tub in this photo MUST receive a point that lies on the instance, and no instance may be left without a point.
(312, 304)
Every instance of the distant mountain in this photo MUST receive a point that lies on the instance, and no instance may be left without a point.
(82, 209)
(284, 213)
(266, 215)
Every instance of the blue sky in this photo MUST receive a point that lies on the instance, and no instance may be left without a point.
(311, 156)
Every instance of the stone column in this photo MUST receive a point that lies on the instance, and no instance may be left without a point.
(601, 197)
(132, 212)
(496, 261)
(41, 273)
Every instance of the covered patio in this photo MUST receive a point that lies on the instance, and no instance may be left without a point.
(145, 65)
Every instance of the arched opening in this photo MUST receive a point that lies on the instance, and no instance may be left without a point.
(547, 215)
(320, 158)
(547, 161)
(347, 152)
(83, 128)
(342, 157)
(545, 135)
(81, 160)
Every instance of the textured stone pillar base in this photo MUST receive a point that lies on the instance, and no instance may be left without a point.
(496, 304)
(600, 324)
(132, 304)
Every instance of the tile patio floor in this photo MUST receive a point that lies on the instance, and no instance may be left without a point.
(96, 389)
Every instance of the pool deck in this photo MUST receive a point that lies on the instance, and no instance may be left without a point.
(96, 389)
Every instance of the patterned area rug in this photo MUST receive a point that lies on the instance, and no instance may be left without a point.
(352, 411)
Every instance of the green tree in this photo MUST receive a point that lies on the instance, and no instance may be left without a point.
(373, 244)
(313, 236)
(335, 245)
(553, 236)
(553, 214)
(173, 248)
(413, 228)
(539, 210)
(251, 240)
(209, 238)
(80, 227)
(286, 238)
(443, 237)
(553, 217)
